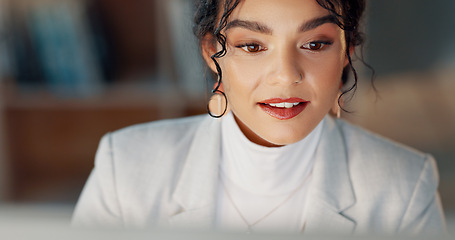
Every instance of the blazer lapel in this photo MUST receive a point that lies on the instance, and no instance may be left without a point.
(196, 189)
(331, 191)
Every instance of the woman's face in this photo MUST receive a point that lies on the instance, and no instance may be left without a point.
(282, 71)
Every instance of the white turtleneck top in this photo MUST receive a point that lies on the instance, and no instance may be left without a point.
(257, 179)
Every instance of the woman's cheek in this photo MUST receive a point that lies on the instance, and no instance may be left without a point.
(243, 73)
(329, 69)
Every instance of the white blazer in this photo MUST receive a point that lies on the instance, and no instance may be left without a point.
(165, 173)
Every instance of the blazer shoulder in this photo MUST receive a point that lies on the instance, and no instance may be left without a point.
(393, 180)
(161, 140)
(383, 160)
(386, 164)
(364, 141)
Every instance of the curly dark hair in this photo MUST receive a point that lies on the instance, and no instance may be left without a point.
(347, 15)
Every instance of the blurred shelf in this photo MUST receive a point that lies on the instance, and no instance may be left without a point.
(52, 141)
(72, 71)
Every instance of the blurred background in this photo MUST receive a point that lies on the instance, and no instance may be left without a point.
(72, 70)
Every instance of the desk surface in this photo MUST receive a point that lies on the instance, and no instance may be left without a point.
(27, 222)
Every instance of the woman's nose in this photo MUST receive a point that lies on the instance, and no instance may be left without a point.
(286, 68)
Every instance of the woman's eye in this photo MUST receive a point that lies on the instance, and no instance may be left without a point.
(251, 47)
(315, 46)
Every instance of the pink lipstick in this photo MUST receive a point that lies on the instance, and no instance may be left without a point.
(283, 109)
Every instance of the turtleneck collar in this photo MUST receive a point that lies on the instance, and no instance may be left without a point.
(267, 171)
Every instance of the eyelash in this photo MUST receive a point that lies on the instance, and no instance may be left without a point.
(246, 45)
(322, 43)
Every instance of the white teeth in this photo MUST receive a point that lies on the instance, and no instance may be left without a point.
(288, 105)
(284, 105)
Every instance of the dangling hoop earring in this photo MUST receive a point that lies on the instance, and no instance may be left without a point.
(336, 109)
(215, 105)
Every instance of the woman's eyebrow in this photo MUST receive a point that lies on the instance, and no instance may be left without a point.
(250, 25)
(316, 22)
(261, 28)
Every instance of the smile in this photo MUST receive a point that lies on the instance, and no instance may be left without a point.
(284, 104)
(283, 109)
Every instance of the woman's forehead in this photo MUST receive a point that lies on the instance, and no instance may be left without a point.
(274, 10)
(272, 14)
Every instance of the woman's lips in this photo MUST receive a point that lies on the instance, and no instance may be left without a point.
(283, 109)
